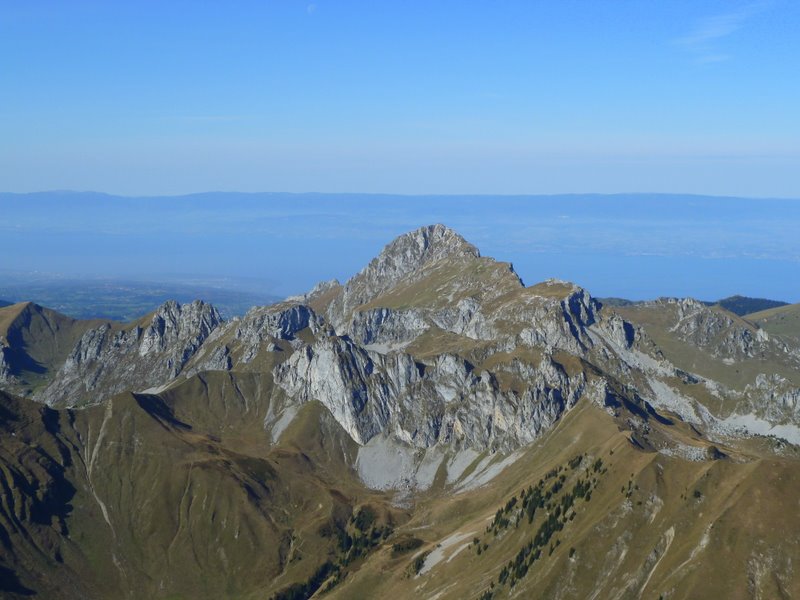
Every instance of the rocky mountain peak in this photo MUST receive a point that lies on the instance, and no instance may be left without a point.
(178, 315)
(320, 290)
(426, 244)
(405, 258)
(414, 250)
(174, 323)
(18, 315)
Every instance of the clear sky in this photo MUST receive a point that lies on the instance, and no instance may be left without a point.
(154, 97)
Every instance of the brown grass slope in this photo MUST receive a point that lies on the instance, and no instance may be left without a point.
(654, 526)
(782, 321)
(149, 497)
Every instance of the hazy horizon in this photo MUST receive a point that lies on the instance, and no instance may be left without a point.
(636, 246)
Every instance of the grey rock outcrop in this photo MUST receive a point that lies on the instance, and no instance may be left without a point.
(276, 323)
(387, 326)
(6, 376)
(773, 398)
(722, 334)
(243, 343)
(442, 402)
(108, 359)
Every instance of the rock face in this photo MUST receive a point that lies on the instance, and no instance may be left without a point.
(265, 335)
(772, 397)
(266, 325)
(108, 360)
(720, 333)
(6, 376)
(444, 402)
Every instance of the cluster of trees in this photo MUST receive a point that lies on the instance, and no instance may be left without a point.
(559, 507)
(361, 533)
(631, 488)
(501, 518)
(303, 591)
(529, 500)
(419, 562)
(532, 498)
(406, 545)
(575, 461)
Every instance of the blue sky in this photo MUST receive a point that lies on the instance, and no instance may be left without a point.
(500, 97)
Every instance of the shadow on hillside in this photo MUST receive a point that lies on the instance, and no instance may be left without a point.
(9, 582)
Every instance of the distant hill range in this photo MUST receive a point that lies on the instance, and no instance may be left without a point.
(742, 305)
(124, 300)
(738, 305)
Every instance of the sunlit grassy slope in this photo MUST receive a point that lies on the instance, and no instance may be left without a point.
(783, 321)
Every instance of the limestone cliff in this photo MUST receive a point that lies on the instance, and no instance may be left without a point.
(110, 359)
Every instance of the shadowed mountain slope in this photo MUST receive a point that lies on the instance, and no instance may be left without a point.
(34, 342)
(129, 500)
